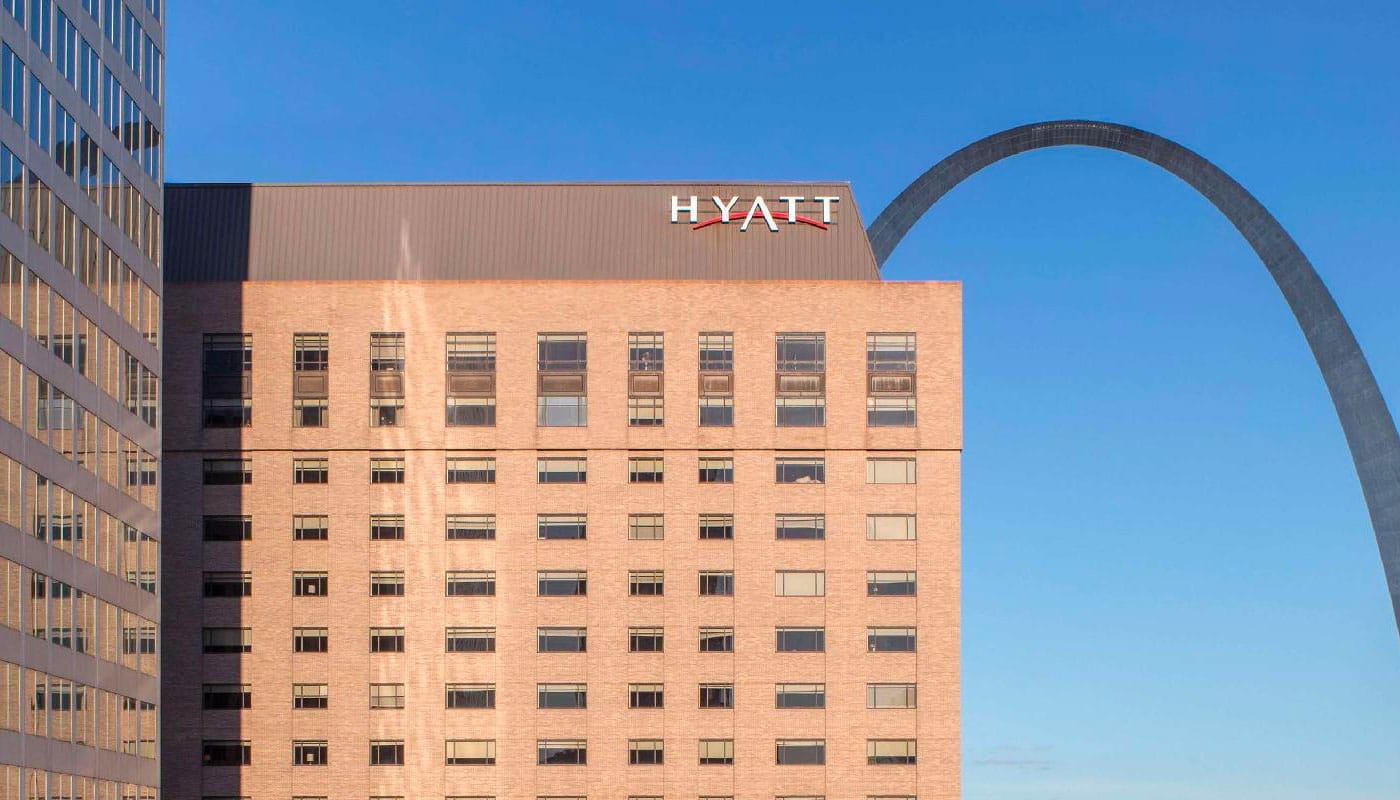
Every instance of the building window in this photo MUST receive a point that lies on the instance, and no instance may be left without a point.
(471, 469)
(890, 584)
(471, 352)
(227, 640)
(643, 412)
(386, 352)
(310, 528)
(471, 583)
(310, 387)
(644, 752)
(800, 412)
(891, 751)
(310, 696)
(228, 529)
(717, 584)
(801, 751)
(562, 640)
(227, 696)
(645, 363)
(801, 352)
(562, 352)
(646, 695)
(716, 526)
(471, 411)
(386, 470)
(555, 469)
(310, 640)
(471, 526)
(716, 640)
(716, 412)
(716, 469)
(561, 526)
(645, 469)
(471, 752)
(801, 640)
(310, 413)
(890, 640)
(226, 753)
(228, 471)
(228, 584)
(386, 584)
(646, 640)
(310, 584)
(561, 695)
(471, 640)
(386, 753)
(716, 352)
(801, 526)
(228, 377)
(890, 527)
(716, 695)
(471, 695)
(562, 411)
(561, 584)
(716, 752)
(646, 527)
(386, 640)
(385, 412)
(889, 352)
(550, 752)
(793, 583)
(890, 412)
(890, 470)
(311, 352)
(310, 753)
(646, 352)
(800, 470)
(801, 695)
(891, 695)
(386, 695)
(646, 583)
(311, 470)
(386, 527)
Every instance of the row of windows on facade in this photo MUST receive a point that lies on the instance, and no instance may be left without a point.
(56, 612)
(578, 797)
(559, 752)
(62, 710)
(640, 527)
(561, 401)
(26, 783)
(564, 639)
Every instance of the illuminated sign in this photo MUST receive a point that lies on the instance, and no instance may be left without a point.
(758, 208)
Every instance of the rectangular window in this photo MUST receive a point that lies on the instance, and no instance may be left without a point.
(386, 352)
(716, 352)
(471, 695)
(890, 640)
(716, 640)
(386, 695)
(642, 752)
(310, 412)
(386, 753)
(550, 752)
(228, 584)
(386, 584)
(646, 583)
(801, 526)
(717, 584)
(471, 752)
(801, 695)
(471, 352)
(645, 469)
(716, 695)
(890, 412)
(471, 411)
(716, 412)
(555, 469)
(891, 695)
(310, 696)
(646, 352)
(471, 640)
(801, 640)
(226, 753)
(386, 527)
(386, 470)
(311, 470)
(890, 470)
(228, 529)
(646, 412)
(562, 352)
(801, 412)
(471, 583)
(891, 751)
(471, 469)
(385, 412)
(227, 696)
(801, 470)
(646, 695)
(793, 583)
(227, 640)
(311, 352)
(716, 751)
(561, 526)
(889, 352)
(471, 526)
(890, 527)
(310, 584)
(646, 527)
(310, 528)
(386, 640)
(646, 640)
(561, 695)
(561, 584)
(716, 526)
(562, 411)
(310, 640)
(228, 471)
(562, 640)
(227, 384)
(890, 584)
(801, 751)
(801, 352)
(716, 469)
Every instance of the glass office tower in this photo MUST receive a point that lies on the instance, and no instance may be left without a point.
(80, 289)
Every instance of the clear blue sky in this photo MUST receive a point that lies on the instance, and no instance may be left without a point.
(1171, 589)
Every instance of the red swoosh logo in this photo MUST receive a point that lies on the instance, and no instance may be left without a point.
(777, 215)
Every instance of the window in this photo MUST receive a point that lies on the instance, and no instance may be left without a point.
(646, 640)
(891, 751)
(890, 584)
(890, 640)
(561, 584)
(386, 584)
(716, 526)
(890, 527)
(562, 352)
(309, 584)
(386, 753)
(890, 412)
(549, 752)
(471, 352)
(310, 528)
(890, 470)
(644, 412)
(562, 640)
(311, 352)
(642, 752)
(571, 469)
(889, 352)
(386, 695)
(645, 469)
(801, 695)
(471, 695)
(310, 470)
(716, 640)
(716, 412)
(227, 471)
(471, 583)
(646, 583)
(386, 470)
(792, 583)
(561, 526)
(646, 695)
(386, 352)
(799, 412)
(801, 751)
(562, 411)
(228, 584)
(471, 469)
(471, 640)
(801, 526)
(385, 412)
(471, 526)
(645, 352)
(226, 753)
(801, 352)
(310, 753)
(310, 362)
(386, 640)
(310, 640)
(716, 352)
(471, 411)
(561, 695)
(801, 470)
(716, 469)
(890, 695)
(716, 695)
(227, 696)
(228, 529)
(471, 752)
(228, 640)
(309, 696)
(801, 640)
(716, 751)
(646, 527)
(386, 527)
(228, 370)
(717, 584)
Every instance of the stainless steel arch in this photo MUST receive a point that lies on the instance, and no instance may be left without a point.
(1369, 429)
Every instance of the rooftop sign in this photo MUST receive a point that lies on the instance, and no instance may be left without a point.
(758, 208)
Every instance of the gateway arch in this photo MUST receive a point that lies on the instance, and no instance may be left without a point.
(1369, 429)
